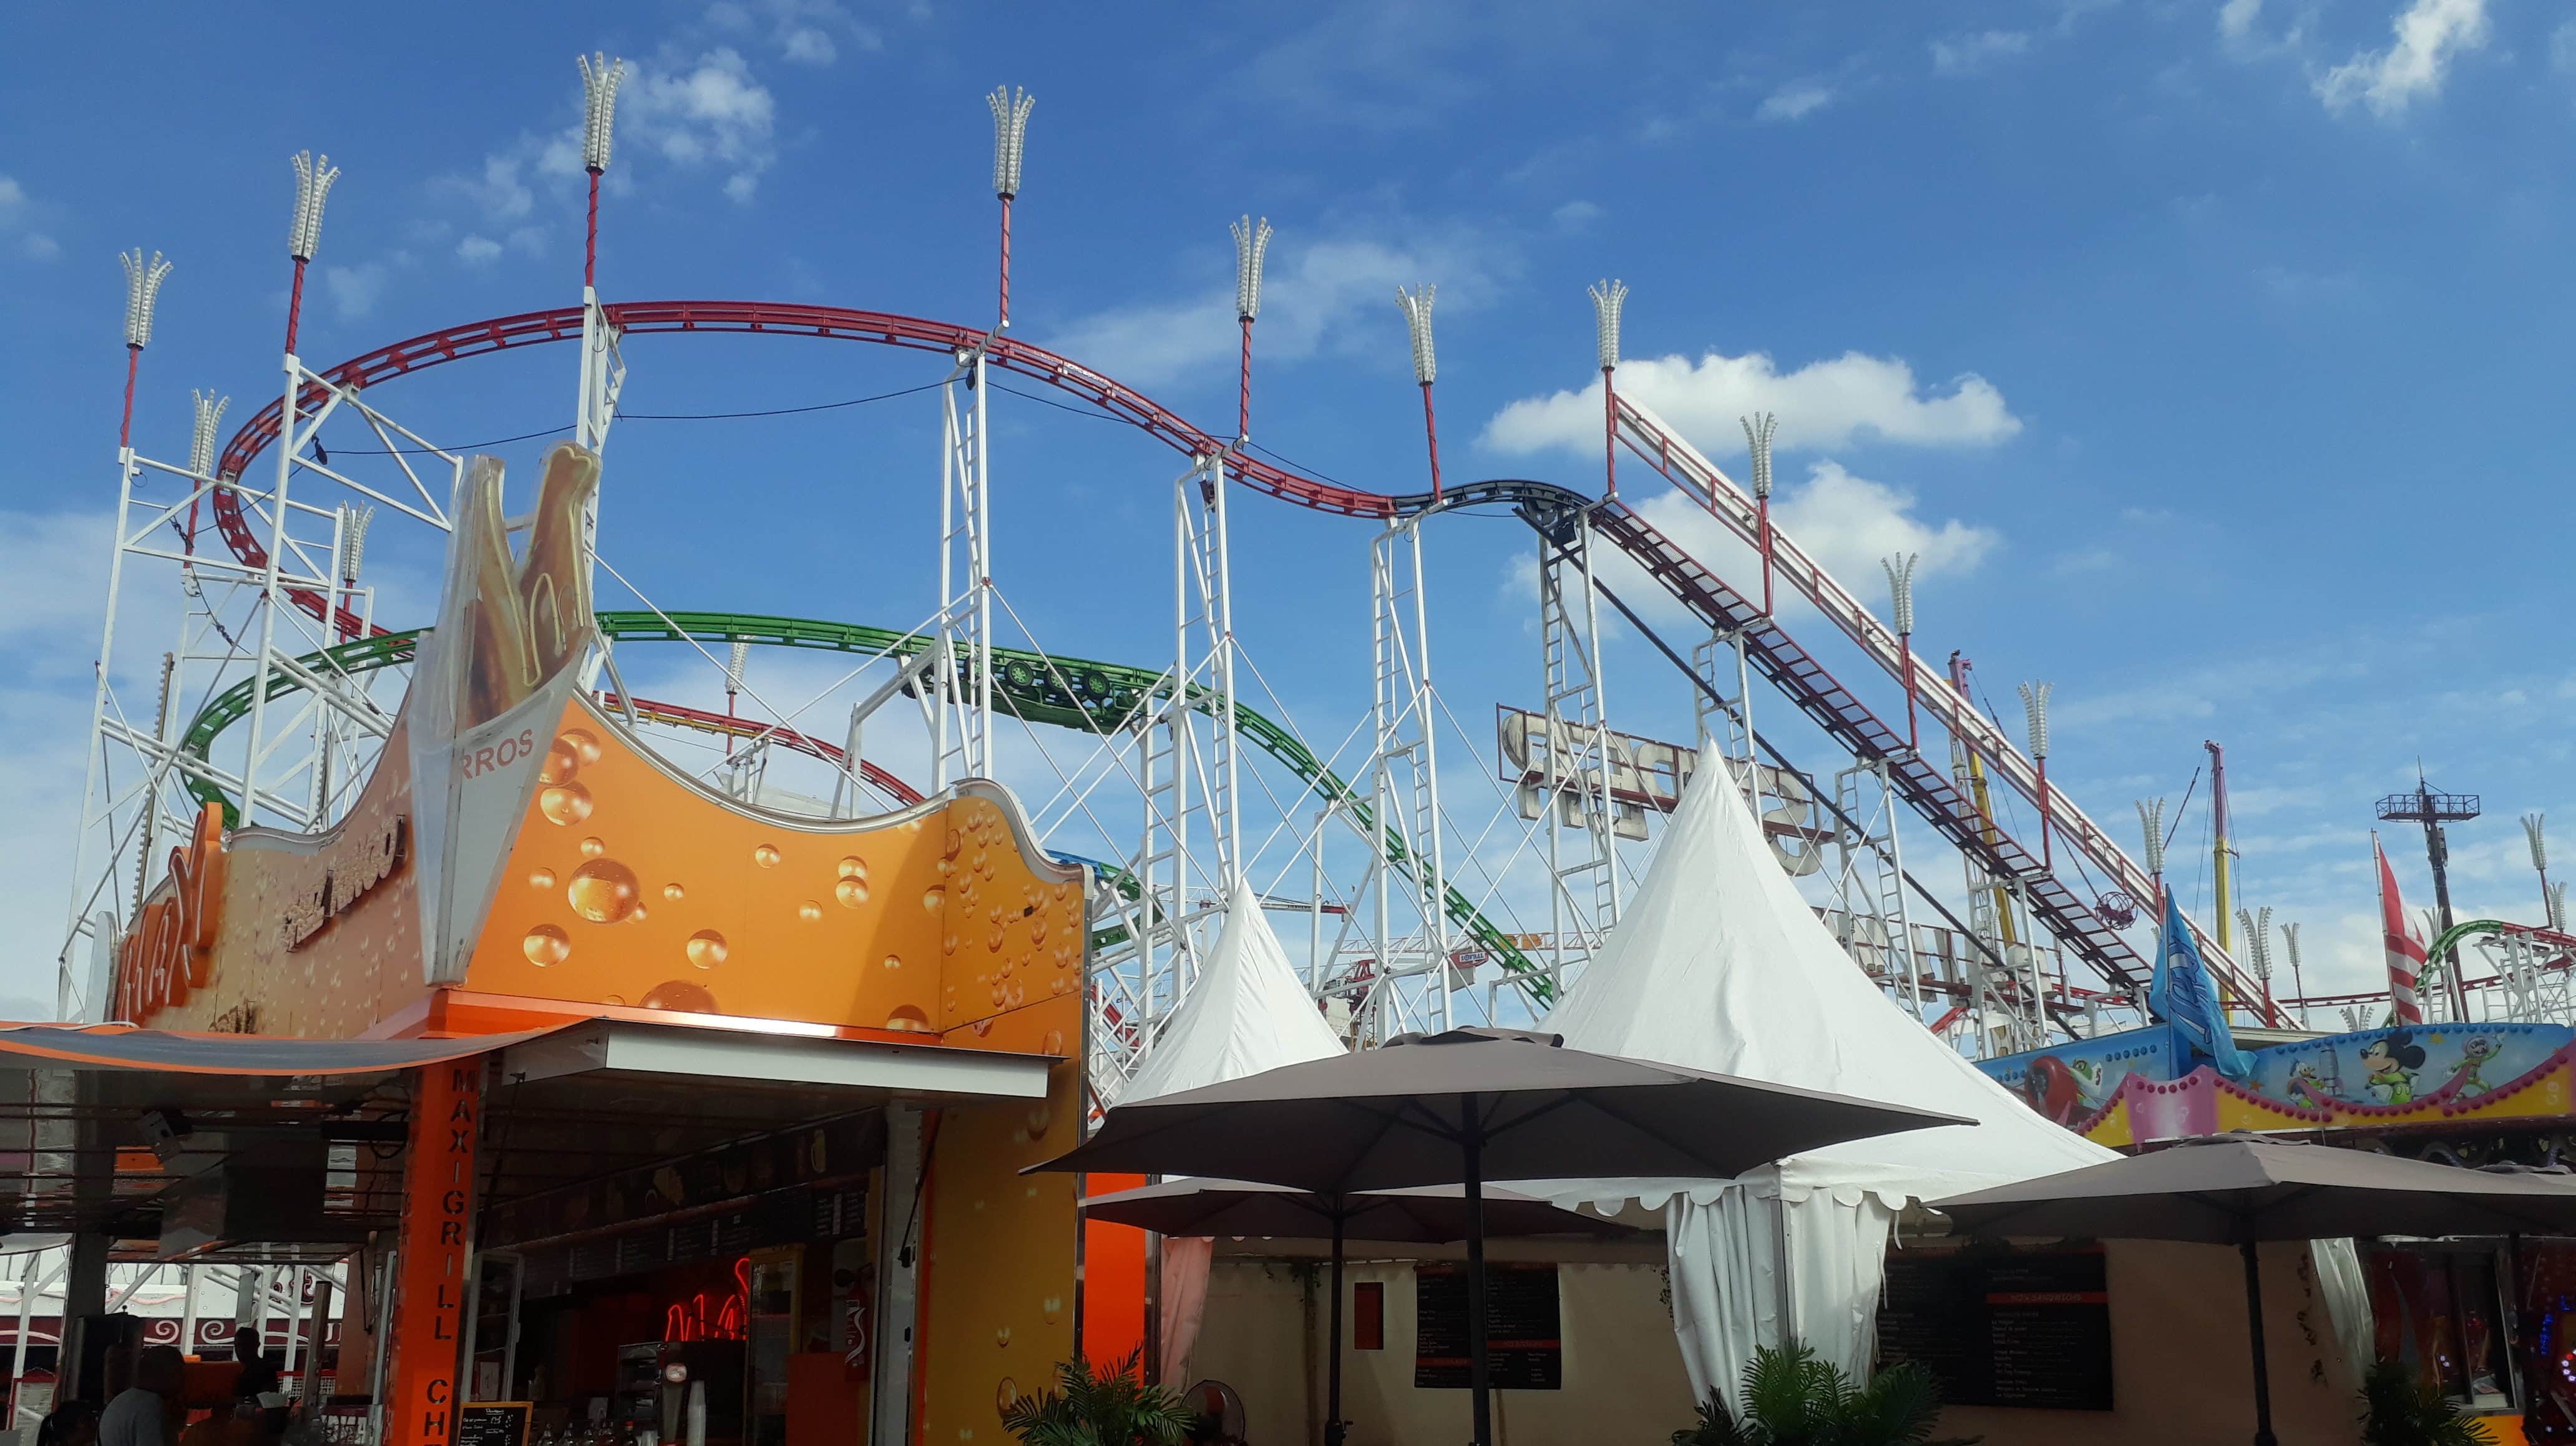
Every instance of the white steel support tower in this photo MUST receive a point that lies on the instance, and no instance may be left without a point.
(1405, 890)
(1869, 911)
(1574, 785)
(960, 692)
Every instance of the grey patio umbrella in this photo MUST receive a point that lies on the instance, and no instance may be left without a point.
(1468, 1105)
(1433, 1214)
(2234, 1190)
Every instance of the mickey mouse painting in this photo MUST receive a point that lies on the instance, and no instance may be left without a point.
(2391, 1061)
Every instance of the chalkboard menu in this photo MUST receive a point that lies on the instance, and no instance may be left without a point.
(1524, 1346)
(2019, 1328)
(493, 1423)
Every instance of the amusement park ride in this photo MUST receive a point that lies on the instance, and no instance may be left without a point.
(272, 700)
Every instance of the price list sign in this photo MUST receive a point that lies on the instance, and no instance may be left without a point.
(1524, 1344)
(2026, 1328)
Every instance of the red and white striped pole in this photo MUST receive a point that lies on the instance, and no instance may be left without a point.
(1607, 299)
(1758, 430)
(142, 293)
(600, 77)
(1251, 246)
(1900, 588)
(1010, 142)
(1426, 368)
(304, 235)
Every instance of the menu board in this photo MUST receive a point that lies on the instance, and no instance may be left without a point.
(1524, 1344)
(2019, 1328)
(493, 1423)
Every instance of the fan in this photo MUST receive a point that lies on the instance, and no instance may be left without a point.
(1220, 1413)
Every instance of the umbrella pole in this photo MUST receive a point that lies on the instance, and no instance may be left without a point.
(2254, 1320)
(1333, 1427)
(1480, 1404)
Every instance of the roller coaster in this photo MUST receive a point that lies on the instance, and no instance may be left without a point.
(1183, 718)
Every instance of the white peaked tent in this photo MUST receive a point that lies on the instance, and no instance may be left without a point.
(1718, 964)
(1247, 1013)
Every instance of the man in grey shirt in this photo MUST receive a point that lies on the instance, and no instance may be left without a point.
(139, 1414)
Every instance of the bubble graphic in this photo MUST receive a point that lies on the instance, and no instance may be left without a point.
(948, 945)
(934, 899)
(1006, 1395)
(619, 1000)
(1053, 1043)
(854, 867)
(583, 746)
(1002, 1337)
(593, 847)
(766, 856)
(809, 911)
(853, 893)
(682, 995)
(564, 803)
(993, 940)
(908, 1018)
(894, 961)
(541, 879)
(1051, 1308)
(706, 948)
(603, 891)
(546, 944)
(560, 765)
(674, 892)
(1041, 1116)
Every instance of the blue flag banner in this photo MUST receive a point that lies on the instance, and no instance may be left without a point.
(2182, 995)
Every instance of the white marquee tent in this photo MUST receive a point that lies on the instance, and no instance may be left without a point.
(1718, 964)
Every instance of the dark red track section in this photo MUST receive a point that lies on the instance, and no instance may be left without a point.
(1787, 665)
(679, 713)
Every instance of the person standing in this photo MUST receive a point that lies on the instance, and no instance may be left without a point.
(139, 1416)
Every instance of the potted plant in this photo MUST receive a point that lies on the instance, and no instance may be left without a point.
(1791, 1398)
(1096, 1408)
(2401, 1408)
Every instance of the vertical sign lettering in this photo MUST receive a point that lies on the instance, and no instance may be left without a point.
(438, 1201)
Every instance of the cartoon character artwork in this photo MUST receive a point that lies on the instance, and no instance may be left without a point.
(2309, 1086)
(2390, 1062)
(2476, 1053)
(2053, 1090)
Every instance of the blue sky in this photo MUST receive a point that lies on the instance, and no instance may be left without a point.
(2210, 352)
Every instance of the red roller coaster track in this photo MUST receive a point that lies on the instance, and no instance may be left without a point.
(1783, 661)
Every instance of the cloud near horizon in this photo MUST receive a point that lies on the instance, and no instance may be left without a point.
(1823, 404)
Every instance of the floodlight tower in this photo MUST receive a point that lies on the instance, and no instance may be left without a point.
(1426, 368)
(2298, 979)
(1010, 142)
(304, 233)
(2540, 864)
(2034, 703)
(600, 77)
(1758, 431)
(2151, 823)
(1608, 297)
(1900, 589)
(603, 367)
(2433, 810)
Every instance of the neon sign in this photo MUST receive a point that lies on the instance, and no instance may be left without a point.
(706, 1316)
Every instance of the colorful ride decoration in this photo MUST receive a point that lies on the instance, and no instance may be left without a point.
(2144, 1085)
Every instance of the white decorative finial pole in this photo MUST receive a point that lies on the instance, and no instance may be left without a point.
(1426, 367)
(142, 292)
(1758, 430)
(733, 684)
(1010, 141)
(2151, 822)
(2258, 946)
(600, 77)
(1900, 590)
(2558, 907)
(1607, 299)
(304, 234)
(201, 436)
(2539, 860)
(1251, 245)
(352, 553)
(2034, 705)
(2298, 978)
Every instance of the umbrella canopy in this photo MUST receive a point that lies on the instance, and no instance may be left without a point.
(1430, 1215)
(2228, 1191)
(1400, 1116)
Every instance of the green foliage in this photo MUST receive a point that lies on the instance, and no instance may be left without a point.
(1111, 1408)
(1791, 1398)
(2401, 1408)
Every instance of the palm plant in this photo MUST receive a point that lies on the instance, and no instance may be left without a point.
(2401, 1408)
(1792, 1398)
(1101, 1408)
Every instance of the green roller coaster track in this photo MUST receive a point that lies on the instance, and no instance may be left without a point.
(1074, 693)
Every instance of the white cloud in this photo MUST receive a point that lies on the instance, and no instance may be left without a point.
(2236, 19)
(475, 250)
(1969, 54)
(19, 228)
(354, 290)
(802, 31)
(2562, 49)
(1315, 298)
(2241, 38)
(1795, 101)
(1822, 404)
(707, 113)
(2430, 33)
(1575, 215)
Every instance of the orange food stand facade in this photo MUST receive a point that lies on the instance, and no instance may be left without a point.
(887, 1014)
